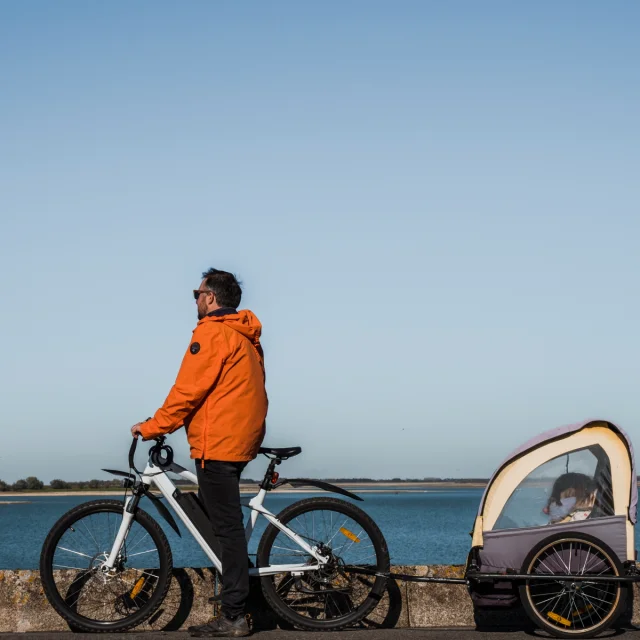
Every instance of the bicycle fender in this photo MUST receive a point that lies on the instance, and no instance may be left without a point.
(124, 474)
(326, 486)
(164, 512)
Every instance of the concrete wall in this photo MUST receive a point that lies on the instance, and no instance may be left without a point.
(23, 606)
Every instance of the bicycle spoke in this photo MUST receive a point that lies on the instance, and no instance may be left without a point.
(300, 551)
(131, 555)
(146, 535)
(76, 552)
(599, 599)
(586, 560)
(78, 530)
(554, 597)
(593, 604)
(90, 532)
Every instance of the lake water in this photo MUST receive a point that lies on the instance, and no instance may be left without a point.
(421, 526)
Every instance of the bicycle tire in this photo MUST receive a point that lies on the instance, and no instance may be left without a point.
(56, 599)
(382, 564)
(557, 544)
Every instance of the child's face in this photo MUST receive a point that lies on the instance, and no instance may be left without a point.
(586, 503)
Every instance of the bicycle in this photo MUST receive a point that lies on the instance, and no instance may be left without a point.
(322, 562)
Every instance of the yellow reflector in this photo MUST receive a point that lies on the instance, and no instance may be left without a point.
(137, 588)
(579, 612)
(560, 619)
(351, 536)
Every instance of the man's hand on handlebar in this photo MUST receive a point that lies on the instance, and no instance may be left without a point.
(136, 429)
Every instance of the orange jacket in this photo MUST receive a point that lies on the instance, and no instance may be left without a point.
(219, 394)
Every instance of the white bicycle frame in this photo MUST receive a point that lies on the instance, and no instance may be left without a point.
(157, 477)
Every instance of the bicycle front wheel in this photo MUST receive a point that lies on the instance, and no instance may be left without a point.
(90, 598)
(335, 595)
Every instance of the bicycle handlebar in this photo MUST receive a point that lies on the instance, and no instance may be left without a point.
(132, 452)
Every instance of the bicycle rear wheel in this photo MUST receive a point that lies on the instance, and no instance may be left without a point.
(89, 598)
(336, 595)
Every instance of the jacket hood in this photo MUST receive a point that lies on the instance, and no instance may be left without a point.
(244, 322)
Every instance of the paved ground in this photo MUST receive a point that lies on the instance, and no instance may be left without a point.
(379, 634)
(386, 634)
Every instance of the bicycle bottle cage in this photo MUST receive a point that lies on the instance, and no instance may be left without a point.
(161, 455)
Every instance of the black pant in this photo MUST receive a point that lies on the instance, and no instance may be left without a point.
(220, 491)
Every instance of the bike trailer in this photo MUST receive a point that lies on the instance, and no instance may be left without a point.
(564, 503)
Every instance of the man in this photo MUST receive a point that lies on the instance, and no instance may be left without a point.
(219, 396)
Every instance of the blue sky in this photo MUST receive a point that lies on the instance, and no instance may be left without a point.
(433, 207)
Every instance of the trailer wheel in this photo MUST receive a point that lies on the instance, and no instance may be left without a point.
(566, 608)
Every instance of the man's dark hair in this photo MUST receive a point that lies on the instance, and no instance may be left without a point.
(226, 287)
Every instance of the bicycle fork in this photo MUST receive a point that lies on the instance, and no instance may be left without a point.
(128, 514)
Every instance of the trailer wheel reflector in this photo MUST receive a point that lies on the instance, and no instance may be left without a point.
(351, 536)
(579, 612)
(137, 588)
(559, 619)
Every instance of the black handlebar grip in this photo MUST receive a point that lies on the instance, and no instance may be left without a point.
(132, 452)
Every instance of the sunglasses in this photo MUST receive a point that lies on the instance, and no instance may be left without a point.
(197, 292)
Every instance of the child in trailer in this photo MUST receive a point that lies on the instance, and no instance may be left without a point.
(572, 498)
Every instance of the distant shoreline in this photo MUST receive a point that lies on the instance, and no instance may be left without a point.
(367, 487)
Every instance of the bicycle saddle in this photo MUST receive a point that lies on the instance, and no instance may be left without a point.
(286, 452)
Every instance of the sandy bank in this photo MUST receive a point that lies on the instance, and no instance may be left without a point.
(356, 487)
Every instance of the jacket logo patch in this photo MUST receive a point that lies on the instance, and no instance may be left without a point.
(194, 348)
